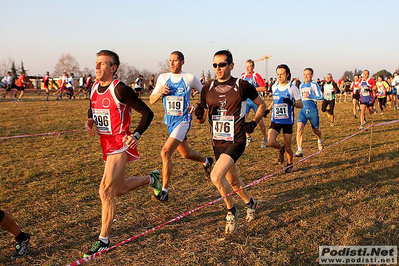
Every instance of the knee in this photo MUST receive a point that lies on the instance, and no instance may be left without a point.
(106, 193)
(271, 142)
(165, 153)
(216, 178)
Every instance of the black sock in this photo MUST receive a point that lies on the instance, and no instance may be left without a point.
(250, 203)
(20, 237)
(233, 210)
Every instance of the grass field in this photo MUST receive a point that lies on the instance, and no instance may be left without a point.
(50, 186)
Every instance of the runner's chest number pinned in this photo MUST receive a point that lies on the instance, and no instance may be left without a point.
(280, 111)
(223, 127)
(174, 105)
(102, 119)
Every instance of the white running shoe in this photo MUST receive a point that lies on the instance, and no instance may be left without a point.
(231, 223)
(320, 145)
(249, 140)
(298, 153)
(251, 211)
(264, 143)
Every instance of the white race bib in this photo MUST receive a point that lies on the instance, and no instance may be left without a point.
(102, 119)
(365, 92)
(223, 127)
(280, 110)
(174, 105)
(303, 93)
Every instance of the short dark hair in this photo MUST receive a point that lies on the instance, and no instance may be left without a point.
(310, 69)
(227, 53)
(179, 55)
(251, 61)
(287, 70)
(113, 56)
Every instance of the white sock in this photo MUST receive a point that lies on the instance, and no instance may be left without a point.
(104, 239)
(165, 189)
(206, 161)
(300, 149)
(151, 180)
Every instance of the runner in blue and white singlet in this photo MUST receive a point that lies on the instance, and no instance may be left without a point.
(174, 89)
(310, 92)
(286, 96)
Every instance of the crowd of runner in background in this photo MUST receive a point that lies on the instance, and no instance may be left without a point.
(70, 87)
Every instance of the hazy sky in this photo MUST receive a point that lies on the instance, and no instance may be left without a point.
(329, 36)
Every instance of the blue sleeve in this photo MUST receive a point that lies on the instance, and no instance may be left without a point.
(318, 96)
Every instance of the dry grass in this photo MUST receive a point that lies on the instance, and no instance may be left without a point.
(49, 184)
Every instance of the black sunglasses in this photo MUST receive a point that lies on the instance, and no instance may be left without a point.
(220, 65)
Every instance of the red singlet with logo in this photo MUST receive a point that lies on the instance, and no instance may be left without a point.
(112, 119)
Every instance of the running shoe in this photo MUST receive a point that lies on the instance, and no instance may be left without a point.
(156, 185)
(251, 211)
(231, 223)
(320, 145)
(264, 143)
(361, 127)
(249, 140)
(97, 247)
(280, 159)
(290, 168)
(163, 196)
(298, 153)
(382, 112)
(21, 247)
(208, 168)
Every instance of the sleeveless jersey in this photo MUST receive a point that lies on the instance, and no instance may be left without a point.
(46, 81)
(356, 86)
(283, 113)
(366, 93)
(176, 102)
(329, 91)
(110, 115)
(382, 89)
(314, 94)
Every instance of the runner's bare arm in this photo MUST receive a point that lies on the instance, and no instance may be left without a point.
(261, 109)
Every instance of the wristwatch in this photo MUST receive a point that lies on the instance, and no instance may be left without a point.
(137, 135)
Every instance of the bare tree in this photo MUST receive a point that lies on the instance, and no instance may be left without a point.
(66, 63)
(87, 71)
(126, 73)
(164, 67)
(5, 66)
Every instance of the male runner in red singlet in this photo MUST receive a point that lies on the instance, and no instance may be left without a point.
(110, 110)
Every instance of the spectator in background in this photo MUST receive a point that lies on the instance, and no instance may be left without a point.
(70, 87)
(46, 82)
(21, 82)
(89, 83)
(151, 84)
(82, 85)
(7, 80)
(138, 86)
